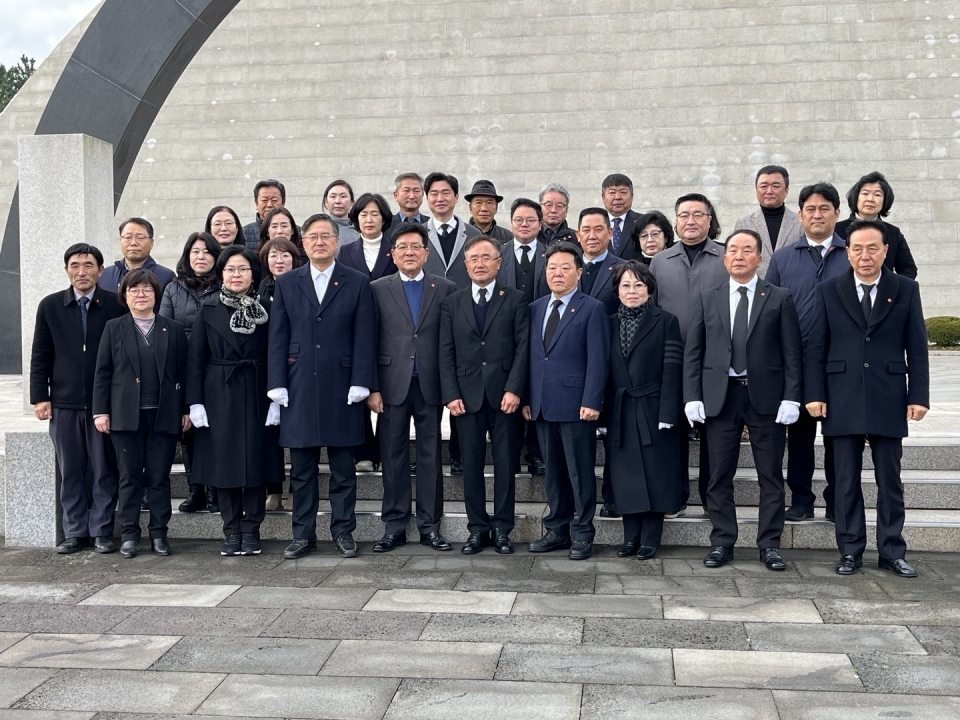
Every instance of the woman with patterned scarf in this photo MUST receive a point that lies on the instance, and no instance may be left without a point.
(227, 394)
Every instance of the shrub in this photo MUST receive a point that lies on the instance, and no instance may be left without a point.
(943, 330)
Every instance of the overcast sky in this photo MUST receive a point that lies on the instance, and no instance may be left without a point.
(34, 27)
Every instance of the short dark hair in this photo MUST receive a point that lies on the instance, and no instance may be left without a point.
(616, 180)
(185, 272)
(406, 176)
(476, 239)
(83, 249)
(858, 225)
(321, 217)
(410, 228)
(334, 184)
(238, 240)
(527, 203)
(714, 232)
(744, 231)
(655, 217)
(269, 184)
(824, 190)
(385, 212)
(138, 277)
(436, 177)
(265, 227)
(869, 178)
(282, 245)
(565, 246)
(248, 255)
(145, 224)
(773, 170)
(641, 271)
(594, 211)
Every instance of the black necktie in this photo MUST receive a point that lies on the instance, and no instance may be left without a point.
(525, 260)
(816, 252)
(84, 301)
(552, 322)
(865, 302)
(482, 292)
(738, 359)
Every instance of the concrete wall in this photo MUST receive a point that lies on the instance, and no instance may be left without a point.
(682, 95)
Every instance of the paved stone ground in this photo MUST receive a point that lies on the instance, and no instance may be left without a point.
(419, 634)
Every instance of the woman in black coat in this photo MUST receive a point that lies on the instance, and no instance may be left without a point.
(651, 234)
(227, 395)
(643, 407)
(138, 399)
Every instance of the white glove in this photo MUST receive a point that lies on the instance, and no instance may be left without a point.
(198, 416)
(695, 412)
(664, 426)
(357, 394)
(601, 431)
(279, 395)
(273, 414)
(788, 413)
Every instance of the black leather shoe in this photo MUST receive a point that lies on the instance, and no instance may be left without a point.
(346, 546)
(628, 549)
(550, 542)
(608, 511)
(389, 542)
(104, 545)
(71, 545)
(436, 541)
(581, 550)
(160, 546)
(456, 467)
(299, 548)
(476, 542)
(536, 466)
(899, 567)
(798, 514)
(129, 548)
(213, 501)
(197, 501)
(501, 543)
(231, 546)
(849, 564)
(828, 515)
(772, 559)
(718, 556)
(647, 552)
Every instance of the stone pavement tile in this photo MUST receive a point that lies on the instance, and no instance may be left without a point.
(117, 652)
(348, 625)
(246, 622)
(414, 659)
(810, 588)
(694, 634)
(608, 702)
(309, 598)
(301, 697)
(390, 579)
(442, 601)
(485, 562)
(737, 609)
(329, 559)
(889, 613)
(162, 595)
(10, 638)
(17, 682)
(45, 715)
(460, 699)
(923, 675)
(122, 691)
(745, 565)
(500, 628)
(619, 606)
(911, 591)
(771, 670)
(23, 617)
(25, 573)
(560, 563)
(586, 664)
(140, 716)
(662, 585)
(938, 640)
(528, 582)
(270, 656)
(797, 705)
(63, 593)
(787, 637)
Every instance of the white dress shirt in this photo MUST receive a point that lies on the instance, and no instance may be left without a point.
(321, 280)
(873, 291)
(438, 226)
(519, 246)
(88, 296)
(475, 289)
(824, 246)
(598, 259)
(418, 278)
(751, 286)
(565, 300)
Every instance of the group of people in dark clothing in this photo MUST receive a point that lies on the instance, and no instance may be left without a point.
(629, 328)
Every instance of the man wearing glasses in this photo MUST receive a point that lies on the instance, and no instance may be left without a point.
(554, 203)
(136, 244)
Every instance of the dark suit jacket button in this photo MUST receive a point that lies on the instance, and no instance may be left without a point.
(866, 364)
(483, 364)
(482, 342)
(318, 347)
(868, 339)
(414, 334)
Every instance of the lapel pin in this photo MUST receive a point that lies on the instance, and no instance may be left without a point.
(573, 309)
(762, 294)
(163, 329)
(433, 284)
(889, 299)
(501, 293)
(335, 282)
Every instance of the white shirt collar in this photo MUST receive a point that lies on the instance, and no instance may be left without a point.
(860, 281)
(564, 299)
(88, 295)
(826, 244)
(475, 289)
(328, 273)
(438, 225)
(418, 278)
(599, 259)
(750, 285)
(623, 218)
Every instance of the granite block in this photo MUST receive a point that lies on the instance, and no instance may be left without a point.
(390, 580)
(526, 583)
(694, 634)
(268, 656)
(908, 674)
(414, 659)
(786, 637)
(348, 625)
(44, 715)
(486, 562)
(306, 598)
(54, 593)
(586, 664)
(828, 588)
(662, 585)
(500, 629)
(442, 601)
(769, 670)
(243, 622)
(860, 612)
(9, 639)
(458, 699)
(116, 652)
(608, 702)
(620, 606)
(596, 566)
(32, 505)
(739, 609)
(938, 640)
(798, 705)
(25, 617)
(162, 595)
(17, 682)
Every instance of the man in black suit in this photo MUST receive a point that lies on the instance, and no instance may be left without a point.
(408, 386)
(742, 366)
(65, 343)
(869, 338)
(569, 362)
(484, 346)
(617, 195)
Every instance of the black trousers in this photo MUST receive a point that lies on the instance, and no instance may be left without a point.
(767, 440)
(242, 509)
(88, 510)
(394, 431)
(703, 476)
(801, 457)
(606, 486)
(502, 428)
(645, 528)
(187, 441)
(849, 513)
(527, 438)
(370, 450)
(144, 458)
(570, 451)
(454, 444)
(304, 484)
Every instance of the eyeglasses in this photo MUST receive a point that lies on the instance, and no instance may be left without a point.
(219, 224)
(526, 221)
(314, 237)
(481, 259)
(231, 270)
(140, 291)
(652, 235)
(698, 216)
(404, 248)
(553, 205)
(138, 238)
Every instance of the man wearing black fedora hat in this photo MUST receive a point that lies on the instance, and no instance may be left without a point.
(484, 202)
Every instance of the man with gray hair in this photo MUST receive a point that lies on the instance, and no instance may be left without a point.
(554, 202)
(408, 192)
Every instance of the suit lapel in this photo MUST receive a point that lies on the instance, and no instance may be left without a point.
(305, 281)
(220, 321)
(466, 305)
(161, 338)
(647, 323)
(397, 291)
(722, 294)
(847, 288)
(458, 244)
(760, 295)
(429, 293)
(383, 259)
(537, 321)
(887, 288)
(760, 226)
(338, 277)
(436, 249)
(128, 328)
(496, 302)
(508, 261)
(787, 228)
(539, 259)
(576, 302)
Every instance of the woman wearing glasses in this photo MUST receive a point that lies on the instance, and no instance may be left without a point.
(652, 233)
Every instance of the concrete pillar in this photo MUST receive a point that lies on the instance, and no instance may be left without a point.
(32, 508)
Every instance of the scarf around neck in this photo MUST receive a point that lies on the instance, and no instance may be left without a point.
(629, 322)
(249, 312)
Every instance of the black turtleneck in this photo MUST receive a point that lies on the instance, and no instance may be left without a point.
(694, 250)
(774, 218)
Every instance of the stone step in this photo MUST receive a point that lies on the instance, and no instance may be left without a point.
(924, 530)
